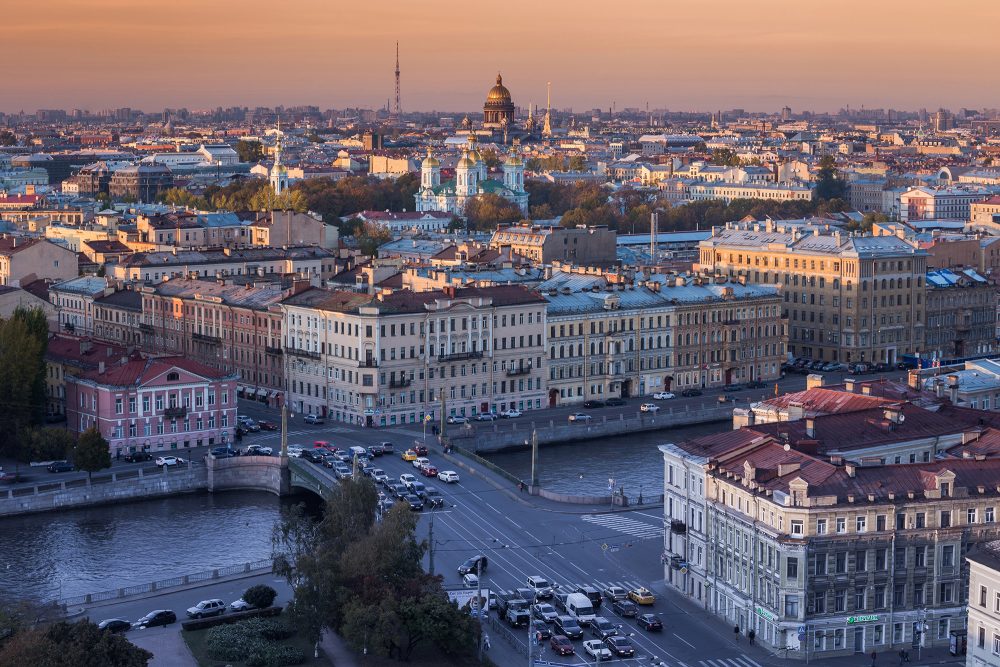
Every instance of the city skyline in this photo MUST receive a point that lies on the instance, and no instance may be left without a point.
(759, 58)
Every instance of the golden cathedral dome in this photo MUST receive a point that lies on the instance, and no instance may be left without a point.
(498, 93)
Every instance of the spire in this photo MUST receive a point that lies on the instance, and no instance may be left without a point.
(277, 145)
(397, 110)
(547, 125)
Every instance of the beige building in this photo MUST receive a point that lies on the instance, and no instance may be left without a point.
(610, 341)
(847, 298)
(544, 245)
(288, 228)
(981, 214)
(23, 260)
(388, 359)
(983, 649)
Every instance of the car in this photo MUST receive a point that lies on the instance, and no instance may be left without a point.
(343, 472)
(541, 586)
(544, 611)
(409, 455)
(641, 595)
(267, 426)
(168, 460)
(726, 398)
(433, 497)
(470, 580)
(567, 625)
(223, 452)
(240, 605)
(387, 447)
(213, 607)
(691, 391)
(625, 608)
(136, 457)
(154, 618)
(250, 425)
(473, 564)
(579, 417)
(407, 479)
(614, 402)
(614, 593)
(650, 622)
(416, 504)
(9, 477)
(602, 628)
(114, 625)
(649, 407)
(817, 365)
(420, 462)
(510, 414)
(593, 403)
(620, 645)
(380, 476)
(421, 450)
(592, 594)
(756, 384)
(417, 488)
(663, 395)
(399, 491)
(449, 476)
(561, 645)
(374, 450)
(541, 629)
(458, 419)
(429, 470)
(596, 649)
(485, 417)
(732, 387)
(258, 450)
(314, 455)
(313, 419)
(368, 470)
(65, 466)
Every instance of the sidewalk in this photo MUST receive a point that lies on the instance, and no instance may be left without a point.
(336, 650)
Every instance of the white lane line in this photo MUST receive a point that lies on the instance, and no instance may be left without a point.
(513, 522)
(577, 567)
(685, 641)
(681, 664)
(751, 661)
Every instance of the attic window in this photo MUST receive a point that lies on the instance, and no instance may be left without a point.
(173, 377)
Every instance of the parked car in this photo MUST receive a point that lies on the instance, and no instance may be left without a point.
(596, 649)
(259, 450)
(625, 608)
(641, 596)
(650, 622)
(614, 402)
(593, 403)
(154, 618)
(732, 387)
(473, 564)
(649, 407)
(66, 466)
(136, 457)
(168, 460)
(240, 605)
(313, 419)
(561, 645)
(510, 414)
(756, 384)
(114, 625)
(691, 391)
(458, 419)
(214, 607)
(663, 395)
(223, 452)
(267, 426)
(449, 476)
(579, 417)
(485, 417)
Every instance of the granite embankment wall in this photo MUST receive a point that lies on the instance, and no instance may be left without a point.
(263, 473)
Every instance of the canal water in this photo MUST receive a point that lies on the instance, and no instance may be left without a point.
(69, 553)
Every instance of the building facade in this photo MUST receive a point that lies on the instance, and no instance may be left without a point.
(570, 245)
(961, 314)
(983, 649)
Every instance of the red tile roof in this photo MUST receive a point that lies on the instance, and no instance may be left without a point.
(138, 370)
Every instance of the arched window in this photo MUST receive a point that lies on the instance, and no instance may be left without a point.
(173, 377)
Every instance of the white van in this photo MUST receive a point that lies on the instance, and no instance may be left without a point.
(470, 581)
(580, 607)
(358, 451)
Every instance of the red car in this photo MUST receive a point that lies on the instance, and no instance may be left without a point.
(429, 471)
(561, 645)
(420, 450)
(267, 426)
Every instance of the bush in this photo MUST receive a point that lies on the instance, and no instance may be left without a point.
(260, 596)
(251, 641)
(274, 655)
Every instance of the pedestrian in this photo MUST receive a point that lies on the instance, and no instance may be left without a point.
(751, 635)
(906, 656)
(736, 632)
(873, 658)
(486, 641)
(902, 656)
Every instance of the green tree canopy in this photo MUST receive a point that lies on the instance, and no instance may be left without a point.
(92, 452)
(725, 157)
(23, 340)
(7, 138)
(829, 184)
(487, 211)
(48, 444)
(79, 644)
(249, 150)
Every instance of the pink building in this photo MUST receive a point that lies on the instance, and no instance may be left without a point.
(154, 404)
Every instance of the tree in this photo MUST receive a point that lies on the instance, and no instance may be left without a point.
(47, 444)
(92, 452)
(290, 200)
(7, 138)
(491, 159)
(371, 236)
(22, 381)
(577, 163)
(829, 184)
(260, 596)
(487, 211)
(249, 150)
(65, 644)
(725, 157)
(456, 224)
(182, 197)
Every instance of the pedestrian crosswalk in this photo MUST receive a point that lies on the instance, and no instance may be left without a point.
(740, 661)
(599, 585)
(624, 524)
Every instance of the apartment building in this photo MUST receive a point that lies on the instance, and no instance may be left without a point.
(727, 192)
(544, 245)
(23, 260)
(961, 314)
(73, 355)
(951, 203)
(617, 340)
(847, 298)
(983, 648)
(314, 262)
(394, 357)
(74, 302)
(837, 534)
(982, 214)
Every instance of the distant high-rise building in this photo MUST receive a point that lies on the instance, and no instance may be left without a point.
(943, 121)
(786, 114)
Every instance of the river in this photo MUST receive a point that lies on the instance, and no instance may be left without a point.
(69, 553)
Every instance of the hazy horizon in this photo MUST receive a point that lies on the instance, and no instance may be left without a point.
(758, 56)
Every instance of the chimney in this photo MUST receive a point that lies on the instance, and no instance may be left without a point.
(811, 427)
(866, 389)
(100, 368)
(849, 385)
(850, 468)
(814, 380)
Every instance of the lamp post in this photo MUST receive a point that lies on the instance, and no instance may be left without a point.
(534, 458)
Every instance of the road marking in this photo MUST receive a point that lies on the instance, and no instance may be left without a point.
(622, 524)
(658, 517)
(512, 521)
(685, 641)
(750, 660)
(577, 567)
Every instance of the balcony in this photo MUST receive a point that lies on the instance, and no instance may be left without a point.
(205, 338)
(175, 413)
(522, 370)
(148, 328)
(273, 350)
(302, 353)
(460, 356)
(368, 363)
(399, 383)
(678, 527)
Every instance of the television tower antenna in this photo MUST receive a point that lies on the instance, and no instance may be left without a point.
(397, 111)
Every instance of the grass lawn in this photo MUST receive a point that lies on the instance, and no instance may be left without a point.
(196, 642)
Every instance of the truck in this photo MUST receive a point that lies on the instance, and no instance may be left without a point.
(580, 607)
(513, 608)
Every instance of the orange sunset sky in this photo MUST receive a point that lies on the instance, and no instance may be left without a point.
(675, 54)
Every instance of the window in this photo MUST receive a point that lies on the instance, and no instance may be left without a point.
(820, 563)
(862, 523)
(920, 517)
(948, 556)
(791, 606)
(861, 561)
(880, 559)
(841, 525)
(947, 593)
(900, 520)
(981, 640)
(859, 599)
(796, 527)
(792, 568)
(841, 562)
(118, 406)
(988, 515)
(918, 595)
(945, 518)
(880, 522)
(971, 518)
(821, 526)
(879, 634)
(840, 600)
(920, 557)
(880, 597)
(982, 596)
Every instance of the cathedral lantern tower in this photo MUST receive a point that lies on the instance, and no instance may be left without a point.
(466, 176)
(513, 172)
(498, 107)
(279, 174)
(430, 172)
